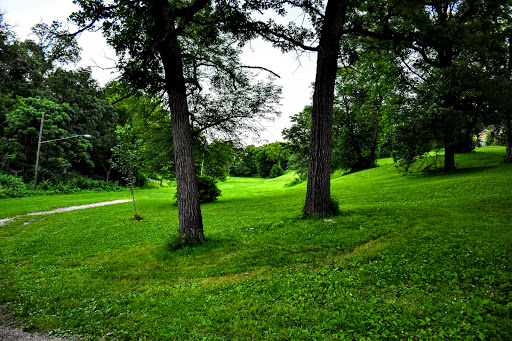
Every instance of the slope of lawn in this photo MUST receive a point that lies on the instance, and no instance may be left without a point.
(410, 257)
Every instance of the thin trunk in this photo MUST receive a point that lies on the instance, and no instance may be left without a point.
(132, 180)
(371, 160)
(318, 196)
(38, 151)
(108, 174)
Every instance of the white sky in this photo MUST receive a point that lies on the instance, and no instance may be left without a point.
(297, 72)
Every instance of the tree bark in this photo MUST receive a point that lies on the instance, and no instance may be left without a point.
(508, 113)
(318, 196)
(189, 210)
(508, 138)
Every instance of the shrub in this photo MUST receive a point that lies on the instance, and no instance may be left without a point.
(208, 190)
(11, 186)
(276, 171)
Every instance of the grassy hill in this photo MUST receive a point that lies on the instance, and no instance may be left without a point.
(410, 257)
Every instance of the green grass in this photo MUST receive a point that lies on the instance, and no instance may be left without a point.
(410, 257)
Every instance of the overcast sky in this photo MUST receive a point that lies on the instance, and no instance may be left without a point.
(297, 72)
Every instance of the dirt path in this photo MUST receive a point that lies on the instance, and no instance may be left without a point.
(11, 333)
(6, 221)
(8, 333)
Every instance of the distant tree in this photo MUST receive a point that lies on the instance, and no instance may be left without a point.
(298, 136)
(244, 163)
(445, 46)
(368, 92)
(215, 158)
(90, 112)
(270, 155)
(21, 133)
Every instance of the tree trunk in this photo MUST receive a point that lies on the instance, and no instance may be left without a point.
(371, 160)
(508, 113)
(189, 210)
(449, 141)
(169, 48)
(508, 138)
(318, 196)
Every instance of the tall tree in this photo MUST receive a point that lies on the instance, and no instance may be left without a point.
(329, 25)
(318, 195)
(169, 45)
(445, 41)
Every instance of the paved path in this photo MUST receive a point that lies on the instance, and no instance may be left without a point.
(6, 221)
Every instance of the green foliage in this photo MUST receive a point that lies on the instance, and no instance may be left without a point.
(21, 131)
(409, 257)
(208, 189)
(76, 182)
(11, 186)
(276, 171)
(214, 158)
(126, 151)
(245, 163)
(270, 155)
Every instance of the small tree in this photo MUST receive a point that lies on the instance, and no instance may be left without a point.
(126, 153)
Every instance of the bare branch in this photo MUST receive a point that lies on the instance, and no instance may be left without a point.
(261, 68)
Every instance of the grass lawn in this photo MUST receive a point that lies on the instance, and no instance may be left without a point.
(411, 257)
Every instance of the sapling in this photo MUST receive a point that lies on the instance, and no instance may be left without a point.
(126, 152)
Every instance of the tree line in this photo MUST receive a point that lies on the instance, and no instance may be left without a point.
(395, 77)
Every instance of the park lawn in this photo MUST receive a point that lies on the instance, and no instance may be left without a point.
(410, 257)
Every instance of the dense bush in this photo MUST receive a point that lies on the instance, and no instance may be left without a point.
(208, 190)
(76, 182)
(11, 186)
(276, 171)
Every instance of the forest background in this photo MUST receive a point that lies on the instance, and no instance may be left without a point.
(395, 96)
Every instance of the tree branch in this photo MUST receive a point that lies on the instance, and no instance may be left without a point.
(261, 68)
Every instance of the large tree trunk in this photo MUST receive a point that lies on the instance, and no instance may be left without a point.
(189, 210)
(318, 196)
(508, 114)
(508, 138)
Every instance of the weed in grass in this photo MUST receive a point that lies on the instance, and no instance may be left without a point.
(137, 216)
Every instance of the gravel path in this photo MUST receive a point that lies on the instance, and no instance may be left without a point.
(6, 221)
(11, 333)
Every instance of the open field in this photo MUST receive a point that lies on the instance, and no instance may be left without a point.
(410, 257)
